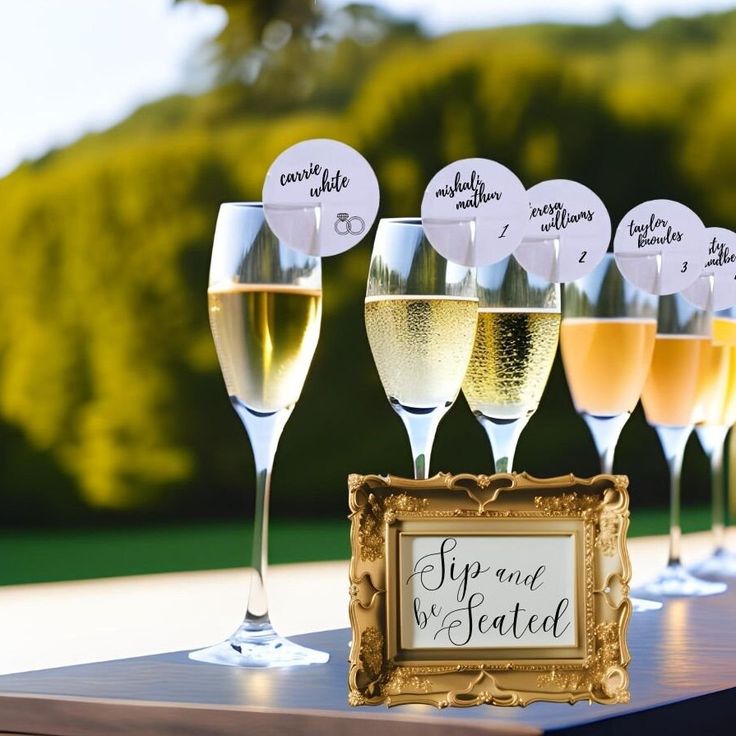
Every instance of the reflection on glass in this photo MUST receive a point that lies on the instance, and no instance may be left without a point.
(420, 316)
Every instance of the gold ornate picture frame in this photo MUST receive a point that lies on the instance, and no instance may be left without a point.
(403, 529)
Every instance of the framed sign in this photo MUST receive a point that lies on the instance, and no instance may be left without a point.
(501, 589)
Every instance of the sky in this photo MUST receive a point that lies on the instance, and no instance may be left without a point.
(71, 67)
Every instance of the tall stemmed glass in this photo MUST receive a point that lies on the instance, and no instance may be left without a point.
(265, 308)
(607, 340)
(670, 400)
(717, 415)
(515, 346)
(420, 315)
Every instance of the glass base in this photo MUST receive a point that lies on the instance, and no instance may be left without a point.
(259, 647)
(641, 605)
(675, 580)
(722, 563)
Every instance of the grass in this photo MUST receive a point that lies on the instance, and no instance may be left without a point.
(33, 556)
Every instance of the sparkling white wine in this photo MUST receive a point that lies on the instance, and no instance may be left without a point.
(606, 362)
(510, 363)
(675, 380)
(265, 336)
(421, 346)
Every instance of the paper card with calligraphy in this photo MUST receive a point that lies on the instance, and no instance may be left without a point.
(475, 211)
(715, 288)
(568, 233)
(661, 246)
(500, 589)
(320, 196)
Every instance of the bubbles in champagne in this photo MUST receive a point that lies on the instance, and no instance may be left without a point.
(421, 346)
(511, 361)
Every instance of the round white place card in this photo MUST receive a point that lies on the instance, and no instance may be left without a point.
(660, 246)
(568, 233)
(475, 211)
(321, 197)
(715, 288)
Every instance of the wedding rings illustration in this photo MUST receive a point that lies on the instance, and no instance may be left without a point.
(346, 225)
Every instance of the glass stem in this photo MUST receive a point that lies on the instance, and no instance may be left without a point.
(605, 432)
(264, 431)
(503, 434)
(674, 441)
(719, 510)
(421, 426)
(712, 440)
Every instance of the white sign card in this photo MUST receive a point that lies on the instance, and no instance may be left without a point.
(320, 196)
(475, 211)
(569, 231)
(660, 246)
(497, 591)
(715, 288)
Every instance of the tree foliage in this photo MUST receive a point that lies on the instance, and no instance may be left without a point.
(109, 388)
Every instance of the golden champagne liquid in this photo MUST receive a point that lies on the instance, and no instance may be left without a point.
(510, 363)
(713, 384)
(421, 346)
(606, 362)
(676, 380)
(724, 335)
(265, 336)
(724, 331)
(729, 405)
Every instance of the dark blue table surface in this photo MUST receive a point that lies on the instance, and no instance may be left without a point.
(683, 680)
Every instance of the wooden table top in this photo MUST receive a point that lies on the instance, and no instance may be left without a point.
(683, 680)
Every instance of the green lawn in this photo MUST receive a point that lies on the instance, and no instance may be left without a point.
(36, 556)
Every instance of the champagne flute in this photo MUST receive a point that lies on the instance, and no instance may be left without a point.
(515, 346)
(607, 340)
(670, 399)
(717, 415)
(265, 308)
(421, 313)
